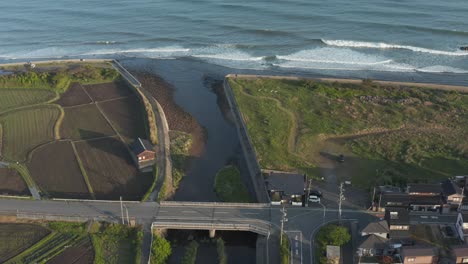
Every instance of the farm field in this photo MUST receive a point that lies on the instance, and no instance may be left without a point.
(26, 129)
(50, 116)
(65, 242)
(388, 134)
(75, 95)
(111, 170)
(14, 98)
(85, 122)
(11, 183)
(108, 91)
(127, 116)
(19, 237)
(55, 169)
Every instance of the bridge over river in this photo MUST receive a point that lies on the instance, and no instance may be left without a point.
(262, 219)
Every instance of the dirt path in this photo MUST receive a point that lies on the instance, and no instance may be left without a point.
(292, 138)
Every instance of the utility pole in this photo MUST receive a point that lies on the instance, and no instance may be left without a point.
(373, 198)
(121, 210)
(341, 198)
(128, 219)
(461, 200)
(283, 220)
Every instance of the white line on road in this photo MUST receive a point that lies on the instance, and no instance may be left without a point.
(221, 212)
(192, 212)
(251, 213)
(161, 211)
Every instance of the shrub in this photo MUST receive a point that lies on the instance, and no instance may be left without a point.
(160, 250)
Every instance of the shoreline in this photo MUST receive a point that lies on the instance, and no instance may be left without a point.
(435, 86)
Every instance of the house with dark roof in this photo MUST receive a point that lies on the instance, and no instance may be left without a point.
(394, 200)
(398, 220)
(372, 246)
(425, 189)
(287, 187)
(379, 229)
(143, 153)
(461, 254)
(461, 225)
(427, 203)
(419, 255)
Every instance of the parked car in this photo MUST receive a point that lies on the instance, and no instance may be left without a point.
(316, 193)
(314, 199)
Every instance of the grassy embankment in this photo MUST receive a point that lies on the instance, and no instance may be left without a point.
(389, 134)
(160, 250)
(111, 243)
(180, 146)
(229, 186)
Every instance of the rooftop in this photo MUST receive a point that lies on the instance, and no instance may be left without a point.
(140, 145)
(460, 251)
(449, 187)
(418, 251)
(373, 241)
(424, 188)
(395, 199)
(376, 227)
(397, 216)
(289, 183)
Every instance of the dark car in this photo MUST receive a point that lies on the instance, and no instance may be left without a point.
(449, 231)
(316, 193)
(341, 158)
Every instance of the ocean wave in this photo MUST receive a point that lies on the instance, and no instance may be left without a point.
(139, 50)
(229, 57)
(382, 45)
(441, 69)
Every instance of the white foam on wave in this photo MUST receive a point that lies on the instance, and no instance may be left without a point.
(441, 69)
(339, 59)
(146, 51)
(382, 45)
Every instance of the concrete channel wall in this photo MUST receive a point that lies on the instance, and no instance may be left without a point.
(247, 146)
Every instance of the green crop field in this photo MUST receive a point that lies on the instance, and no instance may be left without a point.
(23, 130)
(13, 98)
(388, 134)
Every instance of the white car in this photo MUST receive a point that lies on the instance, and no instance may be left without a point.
(314, 199)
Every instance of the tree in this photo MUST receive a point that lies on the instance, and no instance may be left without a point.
(160, 250)
(333, 235)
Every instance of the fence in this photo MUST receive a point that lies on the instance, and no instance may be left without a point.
(215, 204)
(208, 226)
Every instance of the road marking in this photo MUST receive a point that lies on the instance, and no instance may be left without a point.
(192, 212)
(434, 217)
(161, 211)
(251, 213)
(221, 212)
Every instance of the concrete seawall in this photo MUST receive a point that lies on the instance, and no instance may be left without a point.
(247, 147)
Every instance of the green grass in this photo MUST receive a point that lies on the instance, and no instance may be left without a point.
(26, 129)
(58, 79)
(153, 185)
(13, 98)
(116, 244)
(284, 250)
(407, 132)
(180, 147)
(221, 250)
(229, 186)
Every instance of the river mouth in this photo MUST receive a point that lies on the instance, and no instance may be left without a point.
(191, 96)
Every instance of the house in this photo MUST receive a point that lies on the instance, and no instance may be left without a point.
(394, 200)
(379, 229)
(143, 153)
(426, 203)
(424, 189)
(372, 246)
(288, 187)
(333, 254)
(461, 254)
(452, 193)
(461, 226)
(419, 255)
(398, 222)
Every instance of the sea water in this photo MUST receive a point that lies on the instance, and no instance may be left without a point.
(390, 35)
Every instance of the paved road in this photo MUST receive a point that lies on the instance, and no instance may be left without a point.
(302, 222)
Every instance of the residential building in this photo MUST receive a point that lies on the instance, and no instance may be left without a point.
(143, 153)
(461, 225)
(372, 246)
(453, 193)
(419, 255)
(424, 189)
(379, 229)
(398, 222)
(287, 187)
(461, 254)
(426, 203)
(394, 200)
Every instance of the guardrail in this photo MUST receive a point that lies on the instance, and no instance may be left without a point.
(215, 204)
(126, 74)
(208, 226)
(92, 201)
